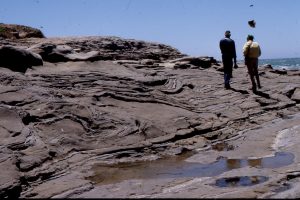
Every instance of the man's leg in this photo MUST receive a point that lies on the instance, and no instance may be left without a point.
(255, 67)
(253, 83)
(251, 74)
(257, 80)
(227, 80)
(227, 64)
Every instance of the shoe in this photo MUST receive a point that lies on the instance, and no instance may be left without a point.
(227, 86)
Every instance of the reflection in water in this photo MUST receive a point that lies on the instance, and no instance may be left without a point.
(233, 163)
(255, 162)
(176, 167)
(279, 160)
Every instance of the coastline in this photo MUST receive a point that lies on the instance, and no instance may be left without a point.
(282, 63)
(110, 101)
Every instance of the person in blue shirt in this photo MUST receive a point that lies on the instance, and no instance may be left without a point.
(227, 47)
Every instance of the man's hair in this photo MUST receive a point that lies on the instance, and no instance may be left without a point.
(227, 33)
(250, 37)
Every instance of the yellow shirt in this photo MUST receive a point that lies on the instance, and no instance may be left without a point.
(251, 49)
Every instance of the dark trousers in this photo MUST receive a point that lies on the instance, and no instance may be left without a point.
(227, 64)
(252, 65)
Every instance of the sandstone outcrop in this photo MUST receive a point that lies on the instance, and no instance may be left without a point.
(104, 100)
(15, 31)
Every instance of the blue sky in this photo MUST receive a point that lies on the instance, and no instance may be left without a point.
(194, 27)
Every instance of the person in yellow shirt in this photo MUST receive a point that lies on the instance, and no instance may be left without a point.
(252, 51)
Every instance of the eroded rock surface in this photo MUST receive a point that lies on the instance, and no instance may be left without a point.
(127, 100)
(15, 31)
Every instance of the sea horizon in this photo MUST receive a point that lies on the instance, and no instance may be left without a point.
(282, 63)
(292, 63)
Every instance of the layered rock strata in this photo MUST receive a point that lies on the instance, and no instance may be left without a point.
(106, 99)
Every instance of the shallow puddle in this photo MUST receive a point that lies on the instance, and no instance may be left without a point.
(282, 188)
(176, 167)
(240, 181)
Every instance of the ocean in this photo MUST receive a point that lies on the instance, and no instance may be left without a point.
(282, 63)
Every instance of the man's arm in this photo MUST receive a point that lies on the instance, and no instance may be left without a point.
(221, 45)
(234, 53)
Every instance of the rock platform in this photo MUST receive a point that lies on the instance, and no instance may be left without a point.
(107, 100)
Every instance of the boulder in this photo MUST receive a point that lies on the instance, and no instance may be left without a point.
(266, 66)
(51, 52)
(203, 62)
(18, 59)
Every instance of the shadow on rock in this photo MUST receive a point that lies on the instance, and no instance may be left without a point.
(262, 94)
(240, 91)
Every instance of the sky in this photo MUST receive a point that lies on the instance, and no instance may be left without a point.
(194, 27)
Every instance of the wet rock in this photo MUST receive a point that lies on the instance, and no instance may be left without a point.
(266, 66)
(278, 71)
(290, 193)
